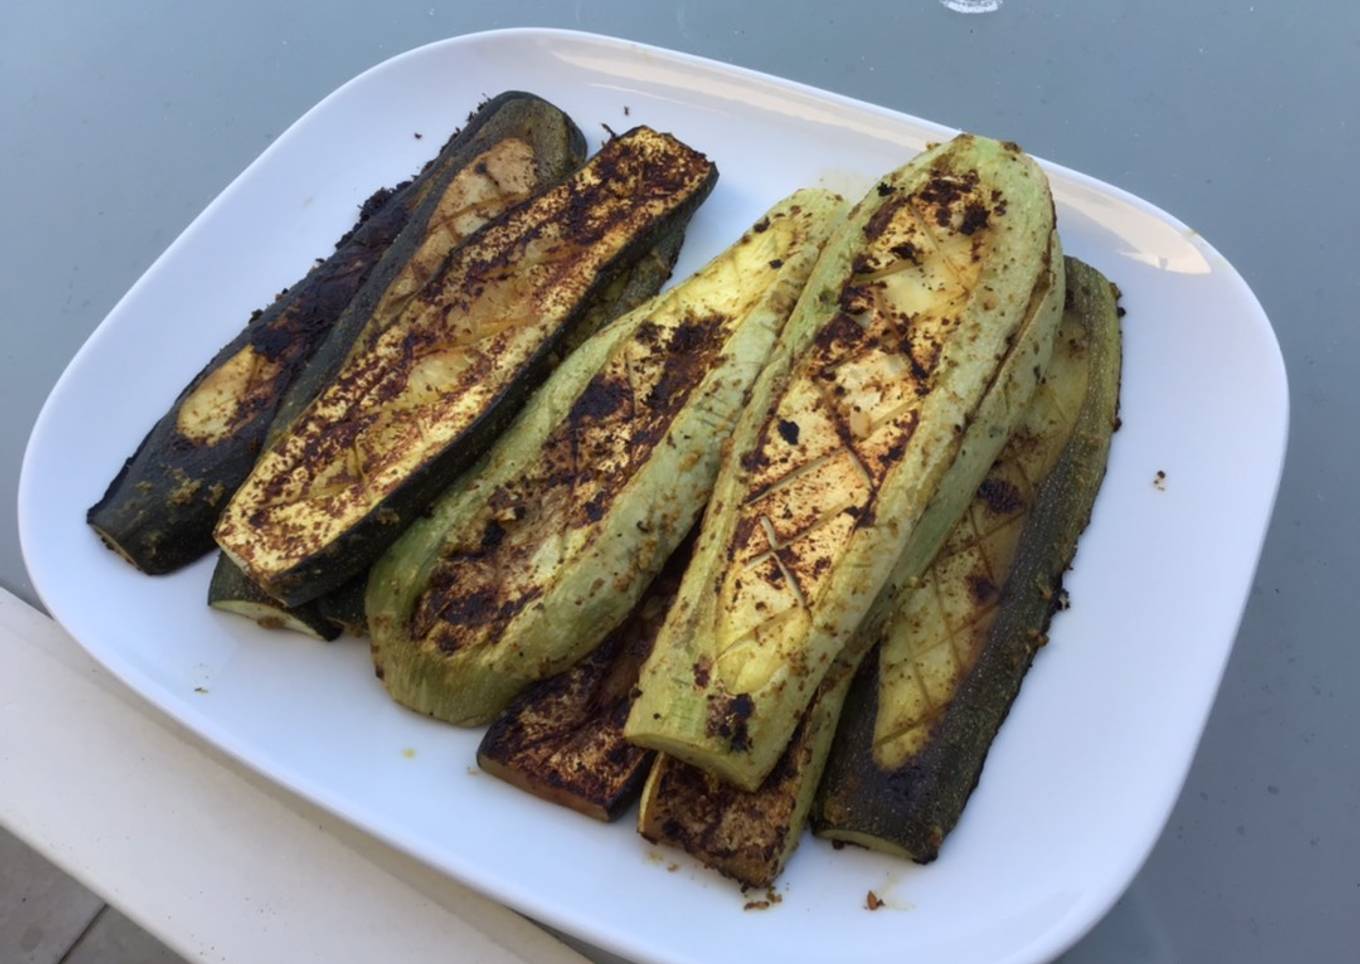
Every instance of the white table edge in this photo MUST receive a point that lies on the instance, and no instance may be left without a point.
(153, 820)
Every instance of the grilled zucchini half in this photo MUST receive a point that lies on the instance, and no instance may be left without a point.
(914, 348)
(407, 412)
(160, 509)
(562, 738)
(232, 591)
(924, 709)
(527, 563)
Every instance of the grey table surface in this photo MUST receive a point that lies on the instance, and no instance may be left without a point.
(119, 122)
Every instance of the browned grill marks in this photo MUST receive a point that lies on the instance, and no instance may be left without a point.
(611, 428)
(1001, 496)
(851, 409)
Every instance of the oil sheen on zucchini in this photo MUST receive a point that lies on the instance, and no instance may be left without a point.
(160, 509)
(562, 738)
(408, 411)
(527, 563)
(230, 590)
(926, 705)
(914, 348)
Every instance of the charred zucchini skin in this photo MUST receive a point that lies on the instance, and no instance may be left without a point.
(530, 560)
(231, 592)
(688, 178)
(845, 472)
(562, 739)
(160, 508)
(343, 607)
(910, 809)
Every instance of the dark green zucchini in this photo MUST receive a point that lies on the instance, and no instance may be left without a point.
(230, 591)
(925, 706)
(344, 607)
(421, 400)
(160, 509)
(562, 739)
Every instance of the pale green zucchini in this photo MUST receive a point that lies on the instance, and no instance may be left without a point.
(951, 657)
(529, 561)
(914, 348)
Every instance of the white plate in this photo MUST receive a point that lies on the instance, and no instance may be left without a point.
(1089, 763)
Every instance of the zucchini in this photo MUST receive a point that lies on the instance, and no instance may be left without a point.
(746, 836)
(749, 836)
(923, 712)
(528, 562)
(914, 348)
(230, 589)
(562, 739)
(160, 509)
(344, 607)
(408, 411)
(521, 156)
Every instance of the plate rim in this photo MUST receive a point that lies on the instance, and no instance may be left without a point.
(1058, 937)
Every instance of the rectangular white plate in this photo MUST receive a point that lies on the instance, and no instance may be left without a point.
(1089, 763)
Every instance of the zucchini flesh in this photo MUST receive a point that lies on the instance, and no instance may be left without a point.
(562, 739)
(160, 509)
(528, 562)
(924, 709)
(420, 403)
(342, 609)
(914, 348)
